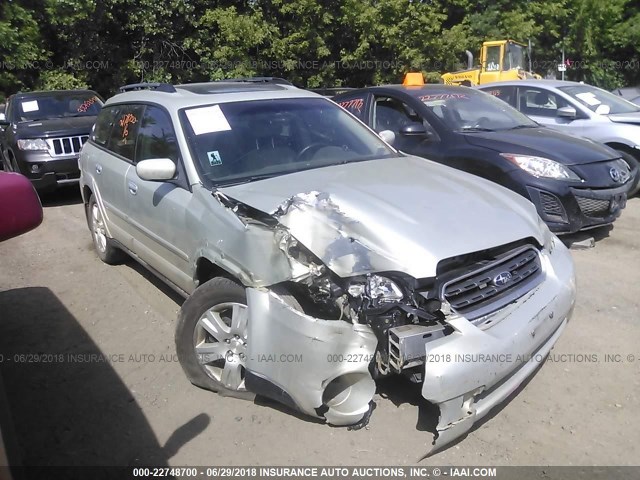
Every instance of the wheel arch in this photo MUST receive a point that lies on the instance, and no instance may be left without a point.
(206, 269)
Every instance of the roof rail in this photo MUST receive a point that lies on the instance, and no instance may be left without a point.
(276, 80)
(160, 87)
(331, 91)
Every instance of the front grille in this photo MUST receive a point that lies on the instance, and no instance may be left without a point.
(550, 204)
(594, 207)
(494, 284)
(59, 147)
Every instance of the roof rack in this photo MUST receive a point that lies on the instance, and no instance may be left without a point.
(331, 91)
(160, 87)
(276, 80)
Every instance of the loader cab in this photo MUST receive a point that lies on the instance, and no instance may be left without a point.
(501, 60)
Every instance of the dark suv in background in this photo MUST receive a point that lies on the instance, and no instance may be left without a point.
(42, 134)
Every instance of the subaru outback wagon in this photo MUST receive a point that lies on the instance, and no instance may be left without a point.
(315, 258)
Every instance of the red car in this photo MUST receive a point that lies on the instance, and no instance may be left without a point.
(20, 208)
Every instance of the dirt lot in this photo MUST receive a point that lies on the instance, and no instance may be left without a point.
(62, 311)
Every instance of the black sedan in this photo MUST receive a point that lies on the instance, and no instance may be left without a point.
(574, 183)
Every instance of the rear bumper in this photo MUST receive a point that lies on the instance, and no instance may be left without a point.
(479, 365)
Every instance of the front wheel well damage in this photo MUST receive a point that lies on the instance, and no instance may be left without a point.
(206, 270)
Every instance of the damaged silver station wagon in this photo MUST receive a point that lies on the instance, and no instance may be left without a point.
(316, 259)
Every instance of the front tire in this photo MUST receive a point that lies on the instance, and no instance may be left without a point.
(633, 163)
(211, 337)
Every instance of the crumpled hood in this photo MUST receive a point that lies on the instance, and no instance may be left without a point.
(400, 214)
(633, 117)
(544, 142)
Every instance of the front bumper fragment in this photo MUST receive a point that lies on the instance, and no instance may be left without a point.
(479, 365)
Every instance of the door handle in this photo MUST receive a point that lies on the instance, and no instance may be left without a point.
(98, 169)
(133, 188)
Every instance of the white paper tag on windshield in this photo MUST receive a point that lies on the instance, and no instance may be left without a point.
(207, 120)
(588, 98)
(603, 109)
(31, 106)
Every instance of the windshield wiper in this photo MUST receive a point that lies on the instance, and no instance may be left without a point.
(252, 178)
(476, 129)
(524, 125)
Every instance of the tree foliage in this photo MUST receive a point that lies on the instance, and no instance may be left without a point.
(106, 43)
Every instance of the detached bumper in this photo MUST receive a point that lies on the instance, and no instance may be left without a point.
(472, 370)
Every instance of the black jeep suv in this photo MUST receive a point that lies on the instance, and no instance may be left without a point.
(43, 132)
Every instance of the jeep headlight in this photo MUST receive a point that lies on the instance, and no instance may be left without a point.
(32, 144)
(542, 167)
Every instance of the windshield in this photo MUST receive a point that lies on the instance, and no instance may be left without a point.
(599, 101)
(244, 141)
(58, 105)
(515, 57)
(472, 110)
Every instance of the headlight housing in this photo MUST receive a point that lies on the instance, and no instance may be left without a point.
(377, 287)
(542, 167)
(32, 144)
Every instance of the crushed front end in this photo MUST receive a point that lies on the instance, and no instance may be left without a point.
(470, 335)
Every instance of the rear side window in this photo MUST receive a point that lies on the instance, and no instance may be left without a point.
(104, 124)
(508, 94)
(122, 139)
(156, 137)
(354, 104)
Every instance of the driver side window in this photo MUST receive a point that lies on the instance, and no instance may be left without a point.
(538, 101)
(392, 114)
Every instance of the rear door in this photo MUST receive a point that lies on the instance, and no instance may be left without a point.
(108, 158)
(157, 210)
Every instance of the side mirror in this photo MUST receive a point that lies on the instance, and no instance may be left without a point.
(566, 112)
(388, 136)
(156, 169)
(20, 208)
(414, 130)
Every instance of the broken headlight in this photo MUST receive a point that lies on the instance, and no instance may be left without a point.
(376, 287)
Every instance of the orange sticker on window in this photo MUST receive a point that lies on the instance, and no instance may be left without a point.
(86, 104)
(125, 121)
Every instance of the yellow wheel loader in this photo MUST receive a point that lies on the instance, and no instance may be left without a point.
(499, 60)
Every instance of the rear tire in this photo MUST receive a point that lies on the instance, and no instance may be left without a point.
(103, 245)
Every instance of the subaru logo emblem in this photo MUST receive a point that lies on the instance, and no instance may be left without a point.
(501, 279)
(615, 174)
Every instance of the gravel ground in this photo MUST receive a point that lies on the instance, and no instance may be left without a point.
(63, 312)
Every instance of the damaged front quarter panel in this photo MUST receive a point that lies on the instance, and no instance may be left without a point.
(320, 367)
